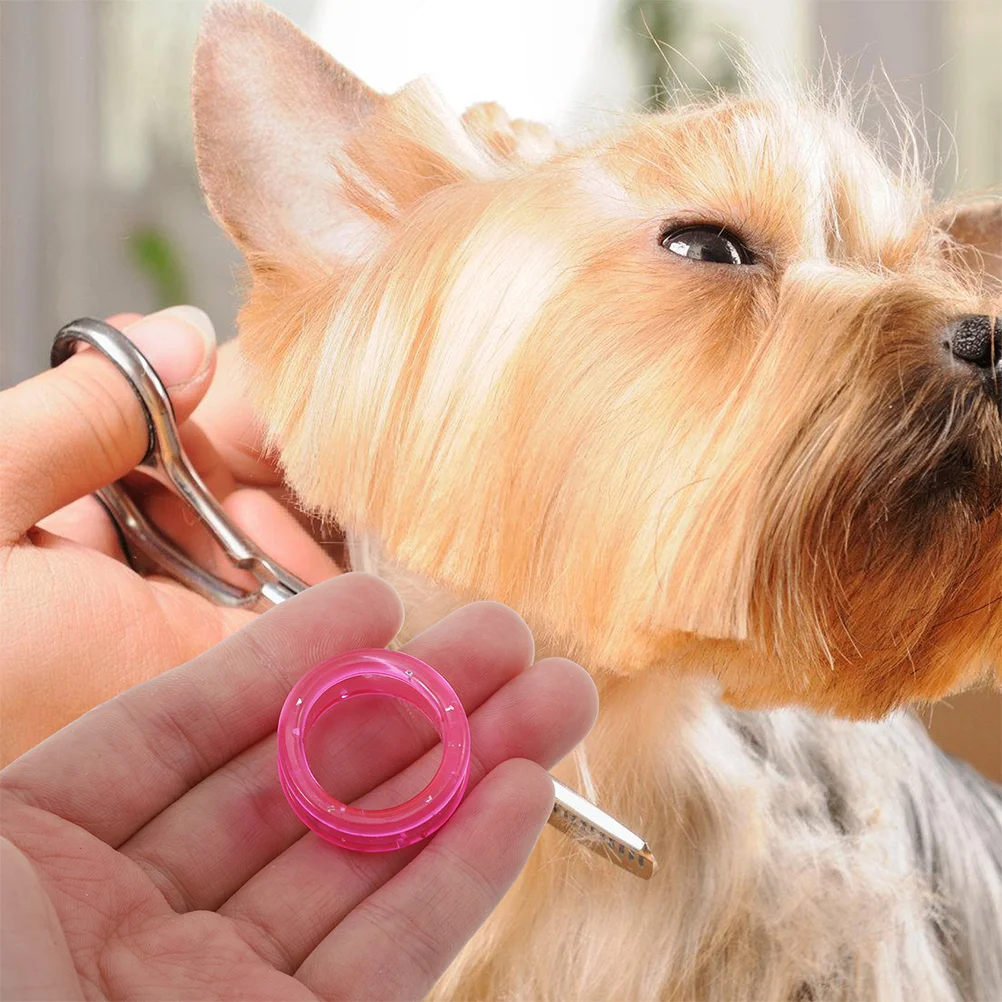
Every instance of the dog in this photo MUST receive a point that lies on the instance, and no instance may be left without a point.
(713, 400)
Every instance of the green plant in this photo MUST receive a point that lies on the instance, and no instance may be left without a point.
(154, 255)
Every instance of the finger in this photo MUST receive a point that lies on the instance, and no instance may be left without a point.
(226, 413)
(266, 520)
(285, 911)
(123, 320)
(205, 457)
(274, 528)
(34, 956)
(179, 521)
(70, 430)
(399, 941)
(120, 765)
(85, 522)
(239, 817)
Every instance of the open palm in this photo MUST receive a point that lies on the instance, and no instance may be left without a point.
(149, 852)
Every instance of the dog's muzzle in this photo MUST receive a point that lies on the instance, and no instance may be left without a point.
(975, 341)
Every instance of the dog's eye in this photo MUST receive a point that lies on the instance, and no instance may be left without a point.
(707, 243)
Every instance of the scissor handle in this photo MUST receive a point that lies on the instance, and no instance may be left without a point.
(166, 459)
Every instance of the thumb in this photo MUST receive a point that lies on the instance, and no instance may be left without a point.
(228, 419)
(70, 430)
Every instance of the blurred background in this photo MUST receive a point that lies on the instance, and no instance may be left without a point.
(100, 210)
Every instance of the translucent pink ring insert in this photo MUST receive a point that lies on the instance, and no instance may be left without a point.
(367, 673)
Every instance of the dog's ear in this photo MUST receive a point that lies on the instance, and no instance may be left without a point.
(300, 161)
(976, 230)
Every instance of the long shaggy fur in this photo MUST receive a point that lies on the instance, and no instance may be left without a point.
(721, 488)
(804, 858)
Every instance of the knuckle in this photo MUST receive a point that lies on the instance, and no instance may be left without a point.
(476, 884)
(108, 418)
(421, 946)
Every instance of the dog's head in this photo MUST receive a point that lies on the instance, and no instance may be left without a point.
(716, 390)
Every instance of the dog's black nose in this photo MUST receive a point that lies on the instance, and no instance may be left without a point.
(976, 340)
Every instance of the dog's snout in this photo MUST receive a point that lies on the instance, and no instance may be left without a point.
(976, 341)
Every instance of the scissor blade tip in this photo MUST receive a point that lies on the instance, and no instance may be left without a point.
(653, 859)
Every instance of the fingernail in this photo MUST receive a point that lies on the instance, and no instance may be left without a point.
(178, 342)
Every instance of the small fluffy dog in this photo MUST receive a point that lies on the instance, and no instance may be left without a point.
(714, 401)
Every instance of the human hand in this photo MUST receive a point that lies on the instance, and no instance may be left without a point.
(77, 624)
(149, 850)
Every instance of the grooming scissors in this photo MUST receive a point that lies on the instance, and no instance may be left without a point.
(165, 461)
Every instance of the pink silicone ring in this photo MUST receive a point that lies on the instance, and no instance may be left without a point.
(364, 673)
